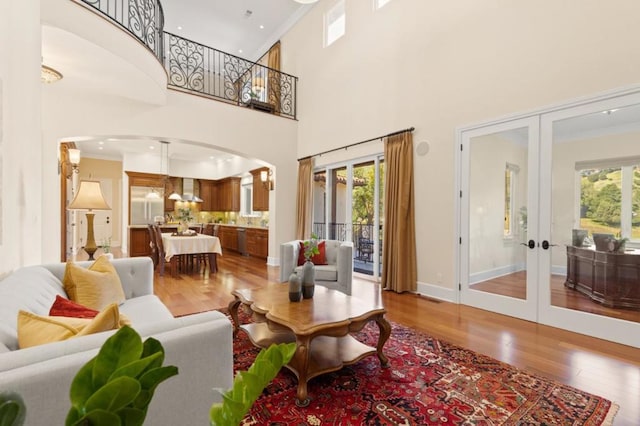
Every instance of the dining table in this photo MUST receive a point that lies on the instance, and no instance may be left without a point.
(176, 245)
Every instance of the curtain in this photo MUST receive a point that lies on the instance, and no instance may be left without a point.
(399, 271)
(304, 200)
(273, 62)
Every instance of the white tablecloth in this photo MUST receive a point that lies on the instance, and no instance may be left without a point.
(200, 243)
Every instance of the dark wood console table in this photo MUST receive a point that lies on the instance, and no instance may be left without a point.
(610, 278)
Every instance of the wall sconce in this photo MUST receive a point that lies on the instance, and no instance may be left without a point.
(74, 159)
(266, 176)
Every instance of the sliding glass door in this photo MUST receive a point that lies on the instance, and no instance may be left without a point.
(348, 206)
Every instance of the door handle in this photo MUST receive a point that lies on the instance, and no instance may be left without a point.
(108, 219)
(546, 245)
(531, 244)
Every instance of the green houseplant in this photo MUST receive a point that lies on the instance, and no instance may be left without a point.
(311, 247)
(12, 409)
(248, 385)
(116, 386)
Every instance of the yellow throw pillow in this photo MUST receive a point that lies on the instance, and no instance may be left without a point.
(94, 287)
(34, 330)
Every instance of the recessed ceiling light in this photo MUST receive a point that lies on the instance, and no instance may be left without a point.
(211, 157)
(179, 27)
(152, 147)
(262, 27)
(101, 143)
(239, 50)
(101, 147)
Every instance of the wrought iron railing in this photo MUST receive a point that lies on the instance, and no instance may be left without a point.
(144, 19)
(194, 67)
(198, 68)
(362, 236)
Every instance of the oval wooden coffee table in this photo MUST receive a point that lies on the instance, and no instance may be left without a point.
(319, 326)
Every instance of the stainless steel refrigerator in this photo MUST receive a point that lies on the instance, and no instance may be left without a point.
(146, 203)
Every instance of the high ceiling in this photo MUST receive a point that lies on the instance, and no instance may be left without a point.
(245, 28)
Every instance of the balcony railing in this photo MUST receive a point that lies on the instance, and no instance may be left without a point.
(197, 68)
(144, 19)
(362, 236)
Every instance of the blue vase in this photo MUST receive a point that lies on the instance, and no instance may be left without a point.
(308, 279)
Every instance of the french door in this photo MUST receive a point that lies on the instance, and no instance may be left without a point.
(529, 187)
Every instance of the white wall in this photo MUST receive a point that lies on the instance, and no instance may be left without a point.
(20, 142)
(441, 65)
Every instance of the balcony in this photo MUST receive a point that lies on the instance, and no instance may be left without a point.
(202, 70)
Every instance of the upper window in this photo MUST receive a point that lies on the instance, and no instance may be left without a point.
(377, 4)
(334, 23)
(610, 197)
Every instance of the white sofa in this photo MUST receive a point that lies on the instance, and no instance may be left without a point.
(337, 274)
(199, 345)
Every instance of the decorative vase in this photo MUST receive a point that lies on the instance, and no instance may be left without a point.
(308, 279)
(182, 227)
(295, 288)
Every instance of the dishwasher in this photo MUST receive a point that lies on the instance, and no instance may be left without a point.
(242, 241)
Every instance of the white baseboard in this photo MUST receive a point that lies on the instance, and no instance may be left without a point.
(438, 292)
(490, 274)
(273, 261)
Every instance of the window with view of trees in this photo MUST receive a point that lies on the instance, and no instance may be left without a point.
(610, 199)
(510, 180)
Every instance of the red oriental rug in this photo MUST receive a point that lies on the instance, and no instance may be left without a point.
(430, 382)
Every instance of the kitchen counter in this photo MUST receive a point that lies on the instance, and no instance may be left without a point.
(175, 225)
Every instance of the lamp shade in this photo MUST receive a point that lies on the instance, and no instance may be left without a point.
(89, 197)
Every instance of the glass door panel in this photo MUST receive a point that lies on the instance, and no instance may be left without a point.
(320, 204)
(363, 215)
(339, 217)
(498, 185)
(594, 190)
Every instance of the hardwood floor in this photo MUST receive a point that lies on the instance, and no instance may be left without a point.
(514, 285)
(607, 369)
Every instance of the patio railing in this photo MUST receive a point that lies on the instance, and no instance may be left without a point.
(362, 236)
(196, 68)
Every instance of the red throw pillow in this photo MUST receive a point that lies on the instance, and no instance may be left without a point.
(318, 259)
(66, 308)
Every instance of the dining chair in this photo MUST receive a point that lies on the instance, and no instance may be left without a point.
(174, 265)
(154, 246)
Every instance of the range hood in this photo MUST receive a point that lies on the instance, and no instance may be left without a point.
(187, 192)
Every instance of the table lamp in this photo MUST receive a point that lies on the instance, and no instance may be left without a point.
(90, 198)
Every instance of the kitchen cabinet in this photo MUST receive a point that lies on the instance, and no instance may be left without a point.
(260, 191)
(139, 241)
(258, 242)
(228, 194)
(207, 195)
(228, 237)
